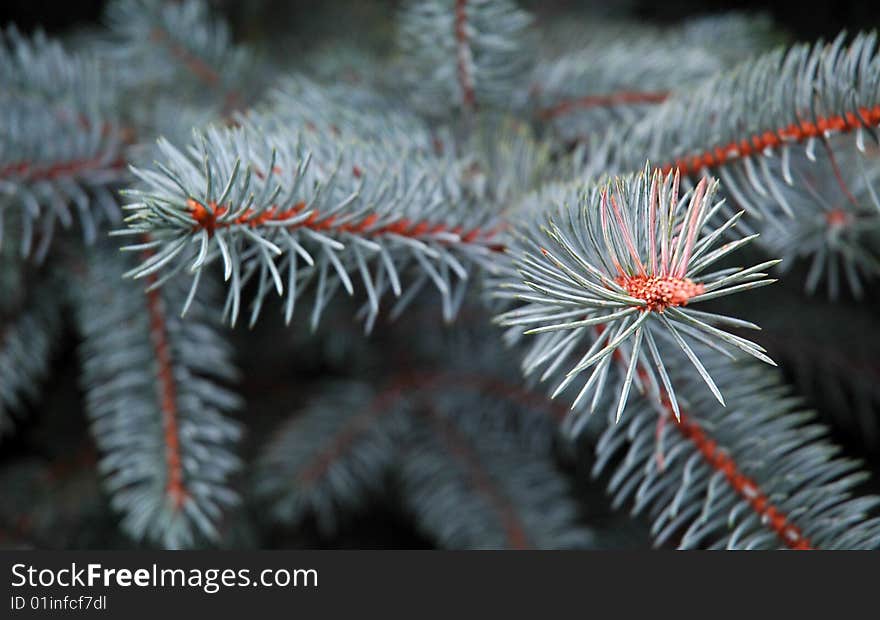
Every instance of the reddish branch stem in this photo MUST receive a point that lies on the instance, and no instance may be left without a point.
(459, 447)
(420, 384)
(721, 461)
(46, 171)
(60, 169)
(744, 486)
(796, 132)
(210, 218)
(837, 174)
(349, 433)
(166, 388)
(610, 100)
(193, 63)
(463, 55)
(414, 383)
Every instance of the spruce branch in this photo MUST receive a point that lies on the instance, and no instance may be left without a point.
(629, 257)
(55, 504)
(331, 458)
(288, 209)
(765, 108)
(504, 159)
(410, 173)
(731, 37)
(471, 456)
(180, 45)
(595, 73)
(13, 278)
(472, 484)
(613, 82)
(756, 475)
(836, 230)
(614, 72)
(27, 340)
(811, 145)
(157, 404)
(463, 54)
(61, 146)
(40, 70)
(346, 113)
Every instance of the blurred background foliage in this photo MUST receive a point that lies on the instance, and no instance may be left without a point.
(51, 458)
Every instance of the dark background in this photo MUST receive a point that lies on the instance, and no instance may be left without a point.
(806, 20)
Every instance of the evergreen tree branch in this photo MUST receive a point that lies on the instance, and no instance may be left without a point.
(157, 405)
(610, 100)
(296, 204)
(463, 54)
(27, 341)
(722, 482)
(494, 456)
(836, 228)
(632, 256)
(470, 485)
(195, 49)
(60, 142)
(330, 459)
(753, 476)
(818, 97)
(606, 73)
(803, 167)
(808, 92)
